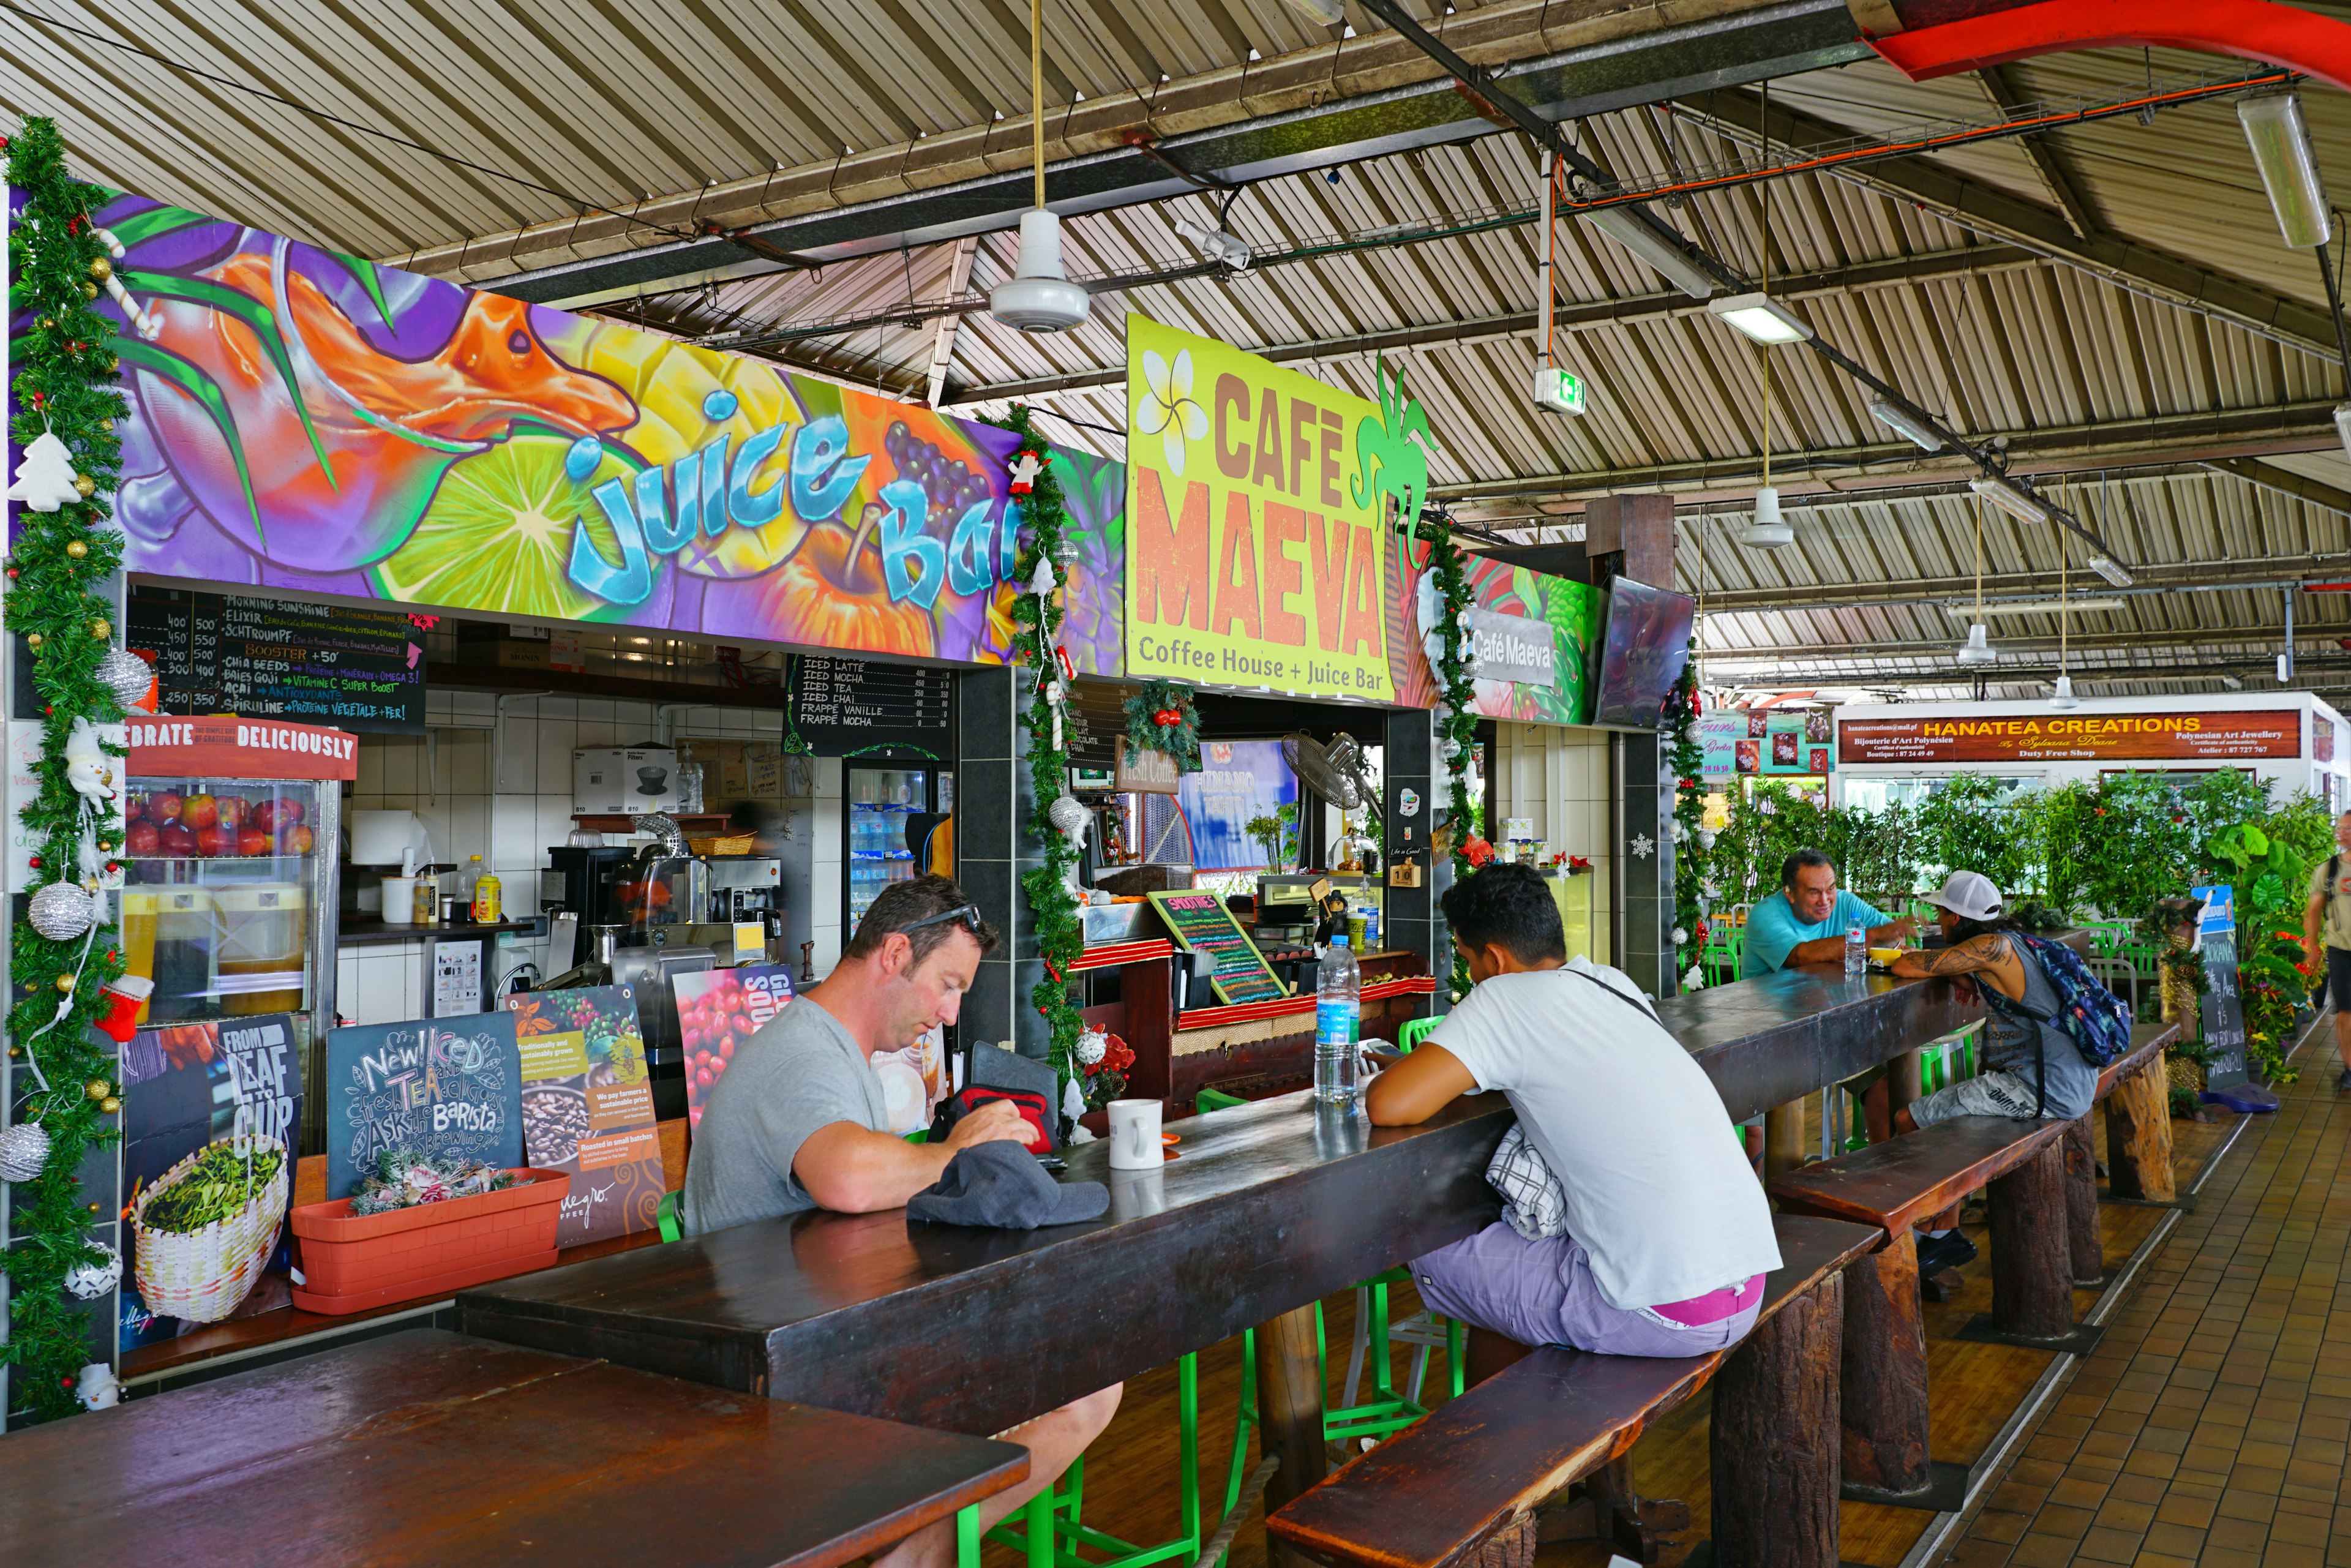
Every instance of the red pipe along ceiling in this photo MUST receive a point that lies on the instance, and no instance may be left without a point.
(1940, 37)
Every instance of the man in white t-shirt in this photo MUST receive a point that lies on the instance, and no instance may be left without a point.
(1668, 1234)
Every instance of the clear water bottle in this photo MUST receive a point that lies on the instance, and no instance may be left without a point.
(1338, 1014)
(1856, 951)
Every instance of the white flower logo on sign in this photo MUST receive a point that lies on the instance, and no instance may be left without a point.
(1168, 409)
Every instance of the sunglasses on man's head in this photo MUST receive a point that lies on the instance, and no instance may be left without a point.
(967, 912)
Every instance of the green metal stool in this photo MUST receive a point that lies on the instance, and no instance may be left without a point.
(1051, 1531)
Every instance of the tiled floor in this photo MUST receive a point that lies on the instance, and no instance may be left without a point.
(2208, 1427)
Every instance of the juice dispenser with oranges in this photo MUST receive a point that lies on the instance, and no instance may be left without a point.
(230, 874)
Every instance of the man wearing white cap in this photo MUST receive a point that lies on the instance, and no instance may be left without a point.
(2031, 1066)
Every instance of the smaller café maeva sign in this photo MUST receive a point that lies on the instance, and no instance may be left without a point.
(2220, 734)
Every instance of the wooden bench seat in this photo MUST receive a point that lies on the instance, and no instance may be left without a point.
(1461, 1486)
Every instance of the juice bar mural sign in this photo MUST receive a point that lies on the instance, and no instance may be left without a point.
(2214, 737)
(310, 421)
(1256, 550)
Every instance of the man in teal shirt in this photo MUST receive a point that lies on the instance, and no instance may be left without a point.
(1805, 922)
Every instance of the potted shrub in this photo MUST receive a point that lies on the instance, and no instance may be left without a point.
(422, 1227)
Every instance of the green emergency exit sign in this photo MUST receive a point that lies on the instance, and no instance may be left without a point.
(1561, 391)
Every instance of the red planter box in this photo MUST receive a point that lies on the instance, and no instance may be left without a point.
(352, 1263)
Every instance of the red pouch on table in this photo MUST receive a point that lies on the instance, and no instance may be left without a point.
(1032, 1107)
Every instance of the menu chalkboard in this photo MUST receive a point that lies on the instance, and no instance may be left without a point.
(269, 658)
(1202, 924)
(447, 1088)
(2220, 1011)
(846, 708)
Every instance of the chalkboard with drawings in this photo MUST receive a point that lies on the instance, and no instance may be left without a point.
(450, 1088)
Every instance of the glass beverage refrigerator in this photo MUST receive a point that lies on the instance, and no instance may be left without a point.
(230, 877)
(880, 803)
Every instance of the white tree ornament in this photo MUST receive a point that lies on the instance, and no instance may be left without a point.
(87, 1282)
(45, 479)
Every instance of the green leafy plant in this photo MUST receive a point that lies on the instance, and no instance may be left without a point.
(225, 1178)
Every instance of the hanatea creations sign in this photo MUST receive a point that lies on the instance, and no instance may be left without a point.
(1256, 551)
(311, 420)
(239, 748)
(2219, 736)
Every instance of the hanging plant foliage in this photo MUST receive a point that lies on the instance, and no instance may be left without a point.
(1161, 717)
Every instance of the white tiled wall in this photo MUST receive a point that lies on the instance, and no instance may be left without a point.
(1559, 777)
(496, 782)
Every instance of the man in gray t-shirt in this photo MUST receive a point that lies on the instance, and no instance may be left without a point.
(797, 1123)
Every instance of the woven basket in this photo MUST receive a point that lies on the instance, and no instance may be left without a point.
(202, 1275)
(732, 844)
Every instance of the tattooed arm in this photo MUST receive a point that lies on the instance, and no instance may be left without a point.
(1992, 954)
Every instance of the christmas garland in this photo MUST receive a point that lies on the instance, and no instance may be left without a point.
(1456, 720)
(1161, 717)
(1058, 818)
(1693, 843)
(63, 388)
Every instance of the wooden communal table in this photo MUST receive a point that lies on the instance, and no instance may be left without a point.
(433, 1449)
(1269, 1207)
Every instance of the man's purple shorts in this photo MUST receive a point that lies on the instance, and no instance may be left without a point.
(1543, 1292)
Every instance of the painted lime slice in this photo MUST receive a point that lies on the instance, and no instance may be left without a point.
(497, 535)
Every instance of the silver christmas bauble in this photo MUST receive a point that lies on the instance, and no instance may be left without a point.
(87, 1282)
(126, 674)
(1091, 1045)
(60, 912)
(23, 1150)
(1070, 816)
(1706, 838)
(1066, 550)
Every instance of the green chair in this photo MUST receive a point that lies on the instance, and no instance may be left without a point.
(1414, 1032)
(1051, 1530)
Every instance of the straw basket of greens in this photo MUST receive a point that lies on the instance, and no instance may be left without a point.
(204, 1231)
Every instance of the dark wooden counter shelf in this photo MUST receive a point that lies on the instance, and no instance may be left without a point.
(1463, 1486)
(375, 933)
(433, 1449)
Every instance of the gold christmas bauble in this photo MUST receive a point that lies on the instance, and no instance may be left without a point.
(100, 630)
(98, 1088)
(106, 425)
(101, 268)
(113, 363)
(66, 983)
(76, 548)
(89, 292)
(86, 485)
(109, 1105)
(32, 639)
(46, 323)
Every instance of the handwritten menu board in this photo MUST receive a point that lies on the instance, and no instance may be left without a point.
(1203, 924)
(2221, 1008)
(447, 1088)
(718, 1010)
(587, 1107)
(269, 658)
(844, 706)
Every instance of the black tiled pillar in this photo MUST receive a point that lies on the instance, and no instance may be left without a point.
(993, 847)
(1413, 776)
(1644, 858)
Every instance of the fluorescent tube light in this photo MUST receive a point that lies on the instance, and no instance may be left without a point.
(2063, 696)
(1761, 318)
(1978, 649)
(1666, 260)
(1768, 531)
(2011, 498)
(2289, 166)
(2110, 569)
(2231, 682)
(1902, 422)
(2033, 607)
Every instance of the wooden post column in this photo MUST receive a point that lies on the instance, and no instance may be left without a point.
(1882, 1391)
(1783, 1138)
(2082, 1239)
(2139, 1135)
(2031, 1265)
(1289, 1411)
(1774, 1438)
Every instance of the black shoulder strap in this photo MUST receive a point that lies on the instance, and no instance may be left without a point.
(1646, 1012)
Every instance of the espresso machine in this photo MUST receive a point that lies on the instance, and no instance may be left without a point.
(743, 920)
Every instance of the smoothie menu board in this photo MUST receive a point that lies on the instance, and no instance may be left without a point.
(266, 658)
(844, 706)
(1203, 924)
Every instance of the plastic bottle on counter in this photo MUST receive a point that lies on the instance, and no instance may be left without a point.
(1338, 1013)
(488, 893)
(1856, 951)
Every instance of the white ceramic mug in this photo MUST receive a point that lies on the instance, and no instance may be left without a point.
(1134, 1143)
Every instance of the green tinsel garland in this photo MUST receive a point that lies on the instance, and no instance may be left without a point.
(1456, 720)
(1061, 933)
(1180, 740)
(63, 385)
(1691, 857)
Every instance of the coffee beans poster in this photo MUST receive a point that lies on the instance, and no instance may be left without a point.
(587, 1107)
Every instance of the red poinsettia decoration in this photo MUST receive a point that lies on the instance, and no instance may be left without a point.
(1117, 1057)
(1479, 850)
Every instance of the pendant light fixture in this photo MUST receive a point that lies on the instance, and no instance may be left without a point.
(1768, 530)
(1978, 649)
(2063, 696)
(1039, 297)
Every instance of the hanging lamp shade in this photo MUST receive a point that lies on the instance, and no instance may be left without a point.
(1978, 649)
(1037, 298)
(2063, 696)
(1768, 531)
